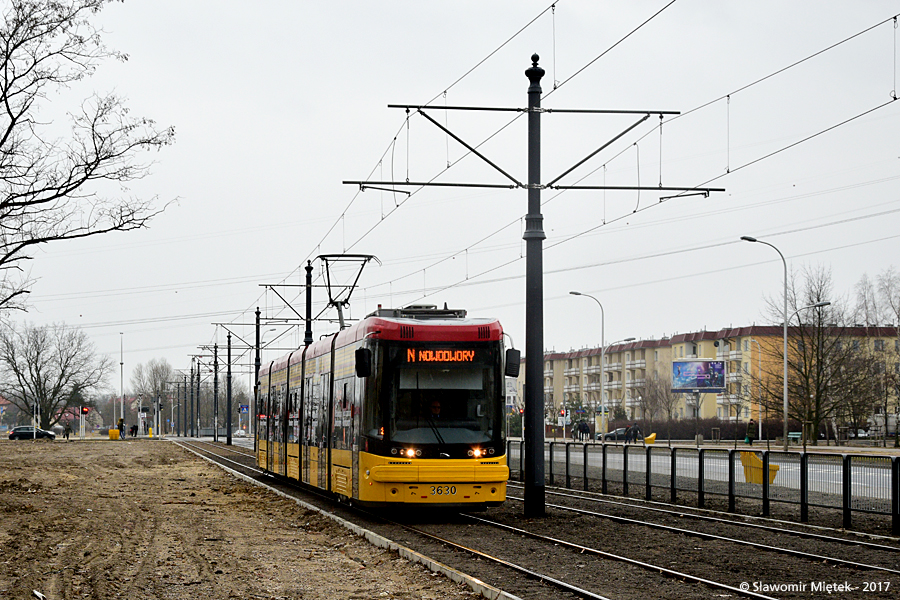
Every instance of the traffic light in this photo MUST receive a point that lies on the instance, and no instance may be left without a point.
(562, 412)
(85, 410)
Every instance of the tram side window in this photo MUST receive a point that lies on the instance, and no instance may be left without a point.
(309, 410)
(262, 411)
(343, 396)
(294, 422)
(372, 404)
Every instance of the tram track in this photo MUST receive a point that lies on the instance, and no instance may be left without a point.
(448, 536)
(729, 519)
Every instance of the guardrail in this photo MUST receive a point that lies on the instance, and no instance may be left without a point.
(845, 482)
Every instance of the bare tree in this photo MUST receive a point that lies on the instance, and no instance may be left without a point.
(152, 381)
(54, 188)
(54, 367)
(889, 297)
(823, 359)
(659, 395)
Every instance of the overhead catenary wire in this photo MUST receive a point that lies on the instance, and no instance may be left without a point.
(727, 96)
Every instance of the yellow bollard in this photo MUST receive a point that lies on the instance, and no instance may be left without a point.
(151, 432)
(113, 434)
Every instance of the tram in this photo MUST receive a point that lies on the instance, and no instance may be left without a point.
(406, 407)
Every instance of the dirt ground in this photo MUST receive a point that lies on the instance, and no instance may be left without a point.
(146, 519)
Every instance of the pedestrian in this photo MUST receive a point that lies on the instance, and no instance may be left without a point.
(636, 433)
(627, 435)
(121, 427)
(67, 430)
(751, 431)
(585, 431)
(133, 430)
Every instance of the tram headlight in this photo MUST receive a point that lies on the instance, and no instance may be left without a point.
(410, 452)
(476, 452)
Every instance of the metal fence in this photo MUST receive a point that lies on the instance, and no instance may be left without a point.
(846, 482)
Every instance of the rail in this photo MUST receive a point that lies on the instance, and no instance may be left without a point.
(848, 483)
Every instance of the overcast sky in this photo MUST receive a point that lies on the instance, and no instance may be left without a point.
(276, 103)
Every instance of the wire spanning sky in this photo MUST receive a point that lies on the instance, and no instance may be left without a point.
(276, 103)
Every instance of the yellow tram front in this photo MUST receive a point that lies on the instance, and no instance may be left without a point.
(432, 430)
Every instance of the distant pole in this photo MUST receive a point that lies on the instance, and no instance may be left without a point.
(215, 392)
(534, 306)
(191, 414)
(198, 398)
(184, 406)
(307, 338)
(121, 376)
(228, 396)
(254, 409)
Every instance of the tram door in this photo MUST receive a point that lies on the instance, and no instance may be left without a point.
(308, 430)
(322, 431)
(270, 425)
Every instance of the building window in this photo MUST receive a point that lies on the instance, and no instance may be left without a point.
(746, 345)
(746, 367)
(856, 344)
(879, 345)
(656, 355)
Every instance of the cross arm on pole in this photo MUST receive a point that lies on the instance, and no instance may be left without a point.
(471, 148)
(600, 149)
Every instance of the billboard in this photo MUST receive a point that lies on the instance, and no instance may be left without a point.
(698, 376)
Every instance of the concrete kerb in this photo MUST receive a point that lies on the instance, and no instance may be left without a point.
(476, 585)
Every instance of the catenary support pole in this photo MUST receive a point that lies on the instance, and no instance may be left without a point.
(307, 336)
(191, 419)
(228, 396)
(215, 392)
(534, 306)
(254, 419)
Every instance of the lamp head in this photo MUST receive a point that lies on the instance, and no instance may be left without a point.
(575, 293)
(747, 238)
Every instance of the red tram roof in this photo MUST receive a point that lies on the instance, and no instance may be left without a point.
(407, 329)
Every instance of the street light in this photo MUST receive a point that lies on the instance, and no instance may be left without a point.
(602, 356)
(748, 238)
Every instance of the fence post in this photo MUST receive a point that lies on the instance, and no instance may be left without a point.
(701, 499)
(804, 488)
(766, 461)
(551, 462)
(731, 455)
(847, 499)
(522, 461)
(603, 487)
(625, 470)
(585, 461)
(649, 471)
(568, 461)
(895, 495)
(673, 488)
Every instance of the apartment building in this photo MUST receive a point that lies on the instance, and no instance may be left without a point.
(626, 372)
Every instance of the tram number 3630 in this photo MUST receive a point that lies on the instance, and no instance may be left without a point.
(443, 490)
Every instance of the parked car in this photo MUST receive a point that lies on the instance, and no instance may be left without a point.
(240, 433)
(618, 434)
(27, 432)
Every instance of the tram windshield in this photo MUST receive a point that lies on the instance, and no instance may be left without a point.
(450, 397)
